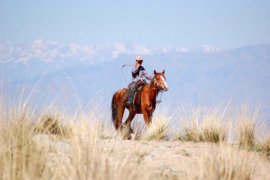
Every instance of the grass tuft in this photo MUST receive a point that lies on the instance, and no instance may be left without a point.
(158, 130)
(52, 124)
(246, 129)
(19, 157)
(264, 146)
(226, 163)
(204, 127)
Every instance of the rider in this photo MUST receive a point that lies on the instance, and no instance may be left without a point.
(139, 76)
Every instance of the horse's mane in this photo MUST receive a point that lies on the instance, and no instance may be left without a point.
(152, 82)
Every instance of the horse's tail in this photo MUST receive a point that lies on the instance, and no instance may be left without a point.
(114, 109)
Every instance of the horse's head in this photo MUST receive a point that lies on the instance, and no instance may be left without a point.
(160, 80)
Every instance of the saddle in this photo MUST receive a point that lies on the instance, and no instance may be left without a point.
(139, 88)
(136, 97)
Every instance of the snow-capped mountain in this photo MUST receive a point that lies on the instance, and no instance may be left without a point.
(52, 71)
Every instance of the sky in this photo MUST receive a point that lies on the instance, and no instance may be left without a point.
(154, 23)
(68, 33)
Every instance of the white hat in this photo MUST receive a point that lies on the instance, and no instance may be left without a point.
(139, 58)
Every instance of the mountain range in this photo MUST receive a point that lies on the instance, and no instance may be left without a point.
(46, 72)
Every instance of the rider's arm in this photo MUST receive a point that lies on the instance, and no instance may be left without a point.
(143, 73)
(135, 70)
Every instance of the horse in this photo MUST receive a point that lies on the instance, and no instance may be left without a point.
(144, 102)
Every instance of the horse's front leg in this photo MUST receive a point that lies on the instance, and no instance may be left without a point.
(147, 112)
(147, 118)
(150, 116)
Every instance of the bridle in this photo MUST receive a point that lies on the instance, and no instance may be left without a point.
(159, 87)
(155, 82)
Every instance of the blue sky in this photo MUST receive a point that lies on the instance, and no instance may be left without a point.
(154, 23)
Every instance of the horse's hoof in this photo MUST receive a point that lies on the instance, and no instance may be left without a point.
(132, 136)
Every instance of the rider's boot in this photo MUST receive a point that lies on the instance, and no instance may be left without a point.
(130, 97)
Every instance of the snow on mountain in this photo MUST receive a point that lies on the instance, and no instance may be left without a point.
(203, 75)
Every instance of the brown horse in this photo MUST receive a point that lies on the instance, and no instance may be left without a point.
(144, 102)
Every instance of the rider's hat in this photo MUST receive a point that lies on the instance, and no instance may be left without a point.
(139, 58)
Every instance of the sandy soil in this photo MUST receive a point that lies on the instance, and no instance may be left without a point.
(176, 157)
(172, 159)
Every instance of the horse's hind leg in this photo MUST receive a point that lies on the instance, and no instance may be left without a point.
(118, 122)
(127, 131)
(129, 120)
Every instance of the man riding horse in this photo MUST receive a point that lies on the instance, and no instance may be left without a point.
(139, 76)
(145, 100)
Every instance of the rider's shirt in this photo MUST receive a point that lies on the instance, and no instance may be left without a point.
(139, 74)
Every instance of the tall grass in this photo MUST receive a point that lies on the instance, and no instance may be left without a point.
(19, 157)
(246, 128)
(29, 151)
(264, 146)
(51, 146)
(157, 131)
(225, 163)
(204, 126)
(53, 124)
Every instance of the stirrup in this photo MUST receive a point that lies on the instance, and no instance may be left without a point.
(129, 103)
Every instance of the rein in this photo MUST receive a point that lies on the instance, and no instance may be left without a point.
(159, 101)
(154, 81)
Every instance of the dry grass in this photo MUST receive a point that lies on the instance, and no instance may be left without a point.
(246, 134)
(29, 151)
(90, 150)
(264, 146)
(53, 124)
(157, 131)
(246, 128)
(204, 127)
(19, 157)
(92, 160)
(226, 163)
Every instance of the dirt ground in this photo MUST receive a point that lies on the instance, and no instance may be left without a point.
(184, 158)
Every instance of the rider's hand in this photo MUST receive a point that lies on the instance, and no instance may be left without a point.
(137, 64)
